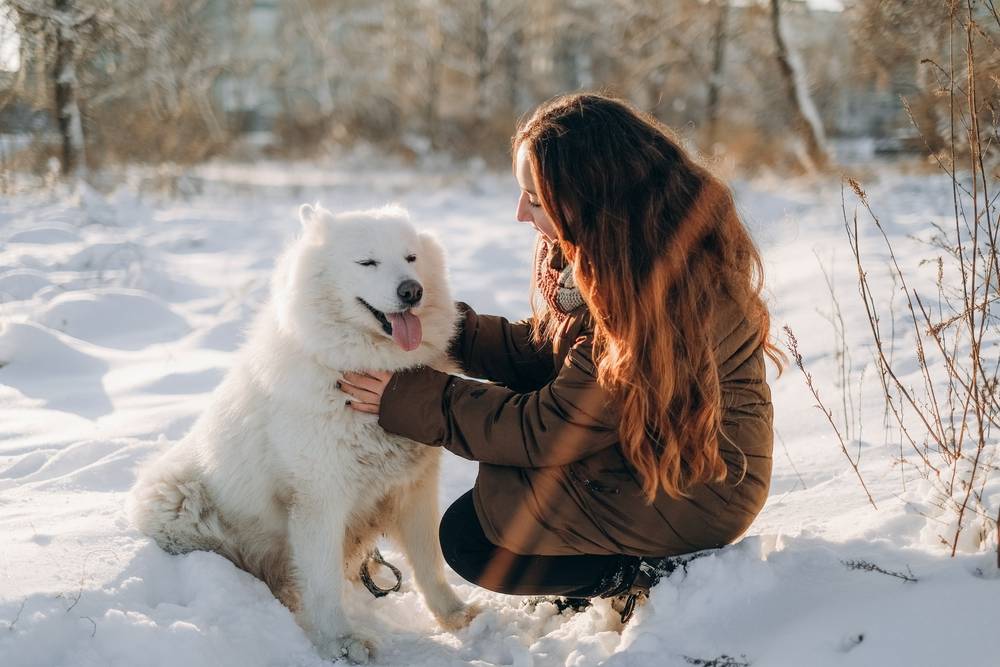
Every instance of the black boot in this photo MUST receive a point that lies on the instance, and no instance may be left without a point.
(561, 602)
(634, 582)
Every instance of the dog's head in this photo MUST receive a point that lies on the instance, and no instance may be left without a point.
(370, 271)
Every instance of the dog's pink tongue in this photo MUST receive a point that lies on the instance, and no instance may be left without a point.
(406, 330)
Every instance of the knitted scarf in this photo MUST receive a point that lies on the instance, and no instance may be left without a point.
(554, 279)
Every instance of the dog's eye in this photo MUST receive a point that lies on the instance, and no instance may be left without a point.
(411, 258)
(367, 262)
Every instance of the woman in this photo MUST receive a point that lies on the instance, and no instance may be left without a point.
(630, 418)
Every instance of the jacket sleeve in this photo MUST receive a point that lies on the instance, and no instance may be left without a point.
(568, 419)
(492, 348)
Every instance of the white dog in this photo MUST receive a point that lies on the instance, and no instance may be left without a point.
(282, 478)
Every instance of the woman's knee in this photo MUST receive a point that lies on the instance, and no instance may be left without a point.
(463, 543)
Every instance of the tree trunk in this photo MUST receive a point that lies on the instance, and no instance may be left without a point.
(512, 68)
(807, 120)
(431, 100)
(482, 58)
(720, 39)
(67, 109)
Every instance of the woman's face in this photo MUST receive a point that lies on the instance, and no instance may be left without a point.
(529, 206)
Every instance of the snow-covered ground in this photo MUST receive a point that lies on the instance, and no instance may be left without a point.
(120, 314)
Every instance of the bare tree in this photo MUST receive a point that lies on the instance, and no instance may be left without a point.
(715, 81)
(807, 119)
(903, 48)
(169, 59)
(447, 75)
(482, 53)
(126, 79)
(60, 26)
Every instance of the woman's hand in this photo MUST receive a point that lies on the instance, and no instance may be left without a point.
(365, 390)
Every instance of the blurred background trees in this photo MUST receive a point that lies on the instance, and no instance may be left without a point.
(93, 82)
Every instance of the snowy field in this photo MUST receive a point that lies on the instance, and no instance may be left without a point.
(120, 314)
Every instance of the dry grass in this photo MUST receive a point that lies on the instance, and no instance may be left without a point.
(943, 412)
(947, 414)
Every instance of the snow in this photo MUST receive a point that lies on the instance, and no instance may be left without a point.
(120, 314)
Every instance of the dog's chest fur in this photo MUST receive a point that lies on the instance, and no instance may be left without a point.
(380, 454)
(325, 443)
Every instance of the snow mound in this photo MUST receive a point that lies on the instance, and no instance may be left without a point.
(202, 607)
(49, 235)
(195, 382)
(225, 336)
(809, 602)
(40, 363)
(24, 465)
(28, 348)
(21, 284)
(122, 319)
(99, 465)
(158, 280)
(105, 257)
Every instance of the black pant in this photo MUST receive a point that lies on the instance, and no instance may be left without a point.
(481, 562)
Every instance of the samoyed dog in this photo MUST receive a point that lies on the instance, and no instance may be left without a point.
(278, 474)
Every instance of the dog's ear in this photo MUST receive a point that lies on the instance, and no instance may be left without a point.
(306, 213)
(431, 248)
(311, 217)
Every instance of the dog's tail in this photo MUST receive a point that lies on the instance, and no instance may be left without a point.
(170, 504)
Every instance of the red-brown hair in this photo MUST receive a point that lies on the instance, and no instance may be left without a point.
(656, 244)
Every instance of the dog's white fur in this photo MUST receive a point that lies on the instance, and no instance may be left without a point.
(278, 474)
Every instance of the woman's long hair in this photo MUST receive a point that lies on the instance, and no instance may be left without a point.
(656, 244)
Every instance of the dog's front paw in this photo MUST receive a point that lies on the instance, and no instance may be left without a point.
(461, 617)
(358, 650)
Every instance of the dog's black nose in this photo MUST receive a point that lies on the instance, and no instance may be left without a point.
(410, 291)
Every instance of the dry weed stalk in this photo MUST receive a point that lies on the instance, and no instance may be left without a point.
(845, 381)
(792, 343)
(947, 419)
(868, 566)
